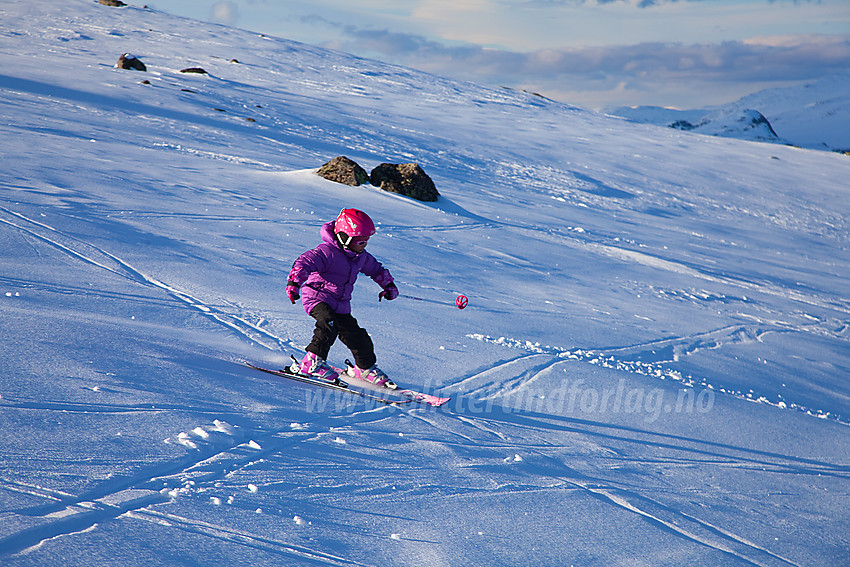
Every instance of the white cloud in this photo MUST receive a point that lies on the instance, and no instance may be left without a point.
(588, 52)
(226, 13)
(668, 71)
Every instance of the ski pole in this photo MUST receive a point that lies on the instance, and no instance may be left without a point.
(460, 302)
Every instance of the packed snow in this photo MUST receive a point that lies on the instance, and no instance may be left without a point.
(652, 368)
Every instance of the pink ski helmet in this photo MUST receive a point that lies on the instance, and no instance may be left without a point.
(351, 224)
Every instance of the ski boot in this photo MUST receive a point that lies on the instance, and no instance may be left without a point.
(373, 375)
(315, 367)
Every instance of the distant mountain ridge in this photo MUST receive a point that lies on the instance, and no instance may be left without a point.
(814, 115)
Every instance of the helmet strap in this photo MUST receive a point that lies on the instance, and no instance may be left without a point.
(344, 239)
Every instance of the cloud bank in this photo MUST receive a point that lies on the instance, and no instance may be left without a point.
(641, 68)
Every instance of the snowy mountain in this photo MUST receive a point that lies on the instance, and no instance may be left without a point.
(815, 115)
(747, 124)
(652, 369)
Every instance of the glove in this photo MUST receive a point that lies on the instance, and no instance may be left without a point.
(292, 292)
(390, 292)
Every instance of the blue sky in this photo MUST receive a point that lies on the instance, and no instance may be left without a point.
(591, 53)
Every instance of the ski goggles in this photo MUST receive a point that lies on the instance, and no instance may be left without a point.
(360, 241)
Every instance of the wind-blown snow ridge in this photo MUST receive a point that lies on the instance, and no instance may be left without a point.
(631, 360)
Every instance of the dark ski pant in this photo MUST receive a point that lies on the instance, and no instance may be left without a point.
(330, 325)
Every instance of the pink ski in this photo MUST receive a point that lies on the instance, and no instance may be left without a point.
(412, 395)
(423, 398)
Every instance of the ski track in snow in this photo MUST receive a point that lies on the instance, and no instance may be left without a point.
(686, 526)
(238, 537)
(95, 256)
(633, 359)
(768, 288)
(210, 462)
(649, 359)
(219, 450)
(668, 519)
(615, 494)
(215, 452)
(79, 518)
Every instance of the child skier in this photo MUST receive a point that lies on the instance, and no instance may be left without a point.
(325, 278)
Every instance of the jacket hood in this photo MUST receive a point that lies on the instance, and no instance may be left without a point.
(327, 232)
(329, 236)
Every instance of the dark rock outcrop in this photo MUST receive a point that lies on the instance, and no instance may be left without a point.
(406, 179)
(343, 170)
(129, 61)
(682, 125)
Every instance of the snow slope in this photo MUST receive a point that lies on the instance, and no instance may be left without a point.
(652, 369)
(815, 115)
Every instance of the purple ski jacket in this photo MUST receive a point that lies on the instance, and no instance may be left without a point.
(327, 273)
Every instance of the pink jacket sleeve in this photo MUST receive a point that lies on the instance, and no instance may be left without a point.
(379, 274)
(307, 263)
